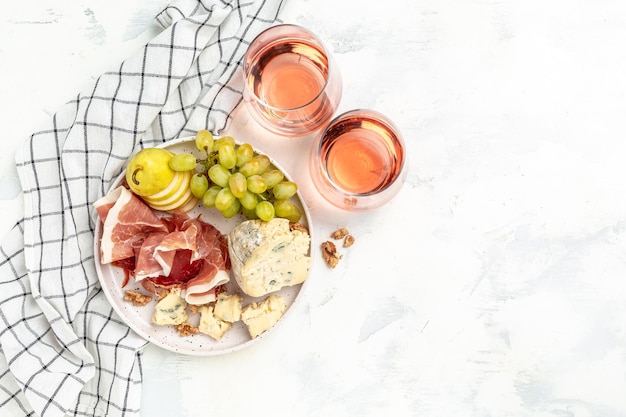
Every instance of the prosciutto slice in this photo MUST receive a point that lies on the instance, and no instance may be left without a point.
(201, 288)
(127, 221)
(146, 265)
(164, 252)
(167, 251)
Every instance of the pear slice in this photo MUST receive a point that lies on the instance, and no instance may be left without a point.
(174, 186)
(177, 197)
(192, 203)
(176, 201)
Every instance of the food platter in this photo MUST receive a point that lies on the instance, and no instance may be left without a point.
(139, 318)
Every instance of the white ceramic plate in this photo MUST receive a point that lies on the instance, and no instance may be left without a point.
(139, 318)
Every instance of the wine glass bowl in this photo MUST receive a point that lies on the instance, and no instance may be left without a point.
(292, 85)
(358, 162)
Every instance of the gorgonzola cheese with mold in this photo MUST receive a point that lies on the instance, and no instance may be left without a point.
(267, 256)
(211, 325)
(259, 317)
(228, 307)
(171, 310)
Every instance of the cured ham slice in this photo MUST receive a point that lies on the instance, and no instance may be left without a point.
(127, 221)
(185, 239)
(162, 252)
(146, 265)
(213, 248)
(201, 288)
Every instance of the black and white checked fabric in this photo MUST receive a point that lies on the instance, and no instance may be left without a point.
(62, 348)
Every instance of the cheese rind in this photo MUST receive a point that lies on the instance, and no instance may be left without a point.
(267, 256)
(259, 317)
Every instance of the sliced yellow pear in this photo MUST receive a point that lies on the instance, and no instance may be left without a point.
(182, 206)
(192, 203)
(174, 202)
(174, 195)
(174, 186)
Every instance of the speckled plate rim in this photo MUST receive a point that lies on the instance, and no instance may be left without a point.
(138, 318)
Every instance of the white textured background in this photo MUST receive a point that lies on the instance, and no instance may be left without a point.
(493, 285)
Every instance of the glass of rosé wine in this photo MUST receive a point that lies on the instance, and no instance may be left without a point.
(358, 162)
(292, 84)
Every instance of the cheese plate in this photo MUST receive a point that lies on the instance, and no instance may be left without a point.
(139, 318)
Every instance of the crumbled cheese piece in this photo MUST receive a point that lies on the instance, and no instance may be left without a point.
(259, 317)
(267, 256)
(228, 307)
(171, 310)
(211, 325)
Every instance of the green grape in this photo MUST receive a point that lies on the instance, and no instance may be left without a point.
(245, 152)
(208, 198)
(249, 200)
(287, 210)
(256, 184)
(238, 184)
(284, 208)
(232, 209)
(250, 214)
(264, 161)
(204, 140)
(224, 199)
(198, 184)
(250, 168)
(219, 175)
(223, 140)
(296, 216)
(182, 162)
(227, 156)
(265, 210)
(273, 177)
(284, 190)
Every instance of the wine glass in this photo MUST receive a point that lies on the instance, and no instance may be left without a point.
(358, 162)
(292, 84)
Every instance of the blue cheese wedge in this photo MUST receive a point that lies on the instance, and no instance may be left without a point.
(267, 256)
(228, 307)
(210, 324)
(259, 317)
(171, 310)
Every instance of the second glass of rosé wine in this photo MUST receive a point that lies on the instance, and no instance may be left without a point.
(358, 162)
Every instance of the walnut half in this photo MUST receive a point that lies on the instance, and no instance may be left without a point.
(137, 298)
(186, 329)
(330, 254)
(298, 226)
(340, 233)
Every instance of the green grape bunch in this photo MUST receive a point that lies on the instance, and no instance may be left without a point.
(234, 178)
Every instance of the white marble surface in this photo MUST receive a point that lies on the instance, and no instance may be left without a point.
(493, 285)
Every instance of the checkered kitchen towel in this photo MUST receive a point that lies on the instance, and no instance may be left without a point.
(63, 349)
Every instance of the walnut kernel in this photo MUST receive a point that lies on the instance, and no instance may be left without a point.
(340, 233)
(348, 241)
(137, 298)
(330, 254)
(186, 329)
(298, 226)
